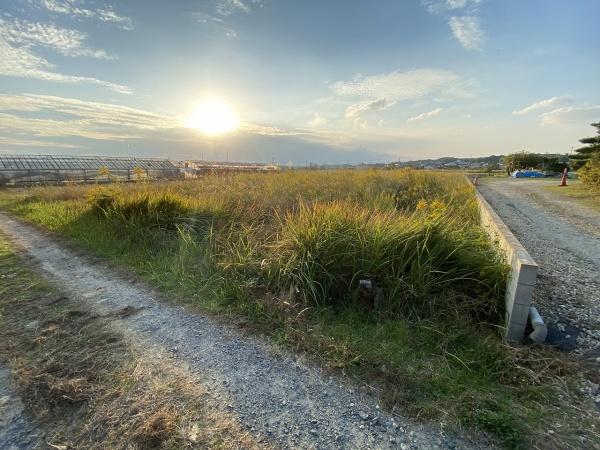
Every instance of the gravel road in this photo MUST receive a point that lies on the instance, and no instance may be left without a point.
(564, 239)
(282, 400)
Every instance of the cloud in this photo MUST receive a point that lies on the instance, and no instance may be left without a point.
(358, 109)
(82, 118)
(65, 41)
(29, 121)
(15, 142)
(393, 86)
(217, 13)
(467, 30)
(571, 115)
(426, 115)
(549, 102)
(20, 61)
(95, 120)
(228, 7)
(216, 22)
(69, 7)
(441, 6)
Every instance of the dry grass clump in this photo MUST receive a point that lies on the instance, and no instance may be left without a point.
(154, 405)
(417, 264)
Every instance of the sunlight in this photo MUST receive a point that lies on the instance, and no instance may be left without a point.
(213, 117)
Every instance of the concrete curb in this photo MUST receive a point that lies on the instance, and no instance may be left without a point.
(523, 271)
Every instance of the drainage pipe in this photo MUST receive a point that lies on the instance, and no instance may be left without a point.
(540, 330)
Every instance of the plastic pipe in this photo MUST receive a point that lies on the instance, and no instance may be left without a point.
(540, 330)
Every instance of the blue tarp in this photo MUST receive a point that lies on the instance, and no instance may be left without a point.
(527, 174)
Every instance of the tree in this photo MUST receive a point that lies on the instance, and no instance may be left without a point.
(522, 160)
(590, 173)
(103, 172)
(585, 154)
(139, 173)
(555, 163)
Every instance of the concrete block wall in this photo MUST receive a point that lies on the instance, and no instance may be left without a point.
(523, 271)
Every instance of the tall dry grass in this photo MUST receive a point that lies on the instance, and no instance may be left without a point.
(413, 235)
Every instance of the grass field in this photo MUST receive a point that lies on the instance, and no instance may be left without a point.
(288, 252)
(578, 192)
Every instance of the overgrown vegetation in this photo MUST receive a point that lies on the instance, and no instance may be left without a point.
(590, 172)
(384, 274)
(526, 160)
(587, 160)
(87, 388)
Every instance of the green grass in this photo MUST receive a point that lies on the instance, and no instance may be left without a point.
(579, 193)
(286, 251)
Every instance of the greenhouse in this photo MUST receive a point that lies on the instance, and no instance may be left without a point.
(48, 169)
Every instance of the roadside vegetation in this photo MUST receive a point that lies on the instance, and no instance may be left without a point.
(578, 192)
(586, 160)
(85, 387)
(385, 275)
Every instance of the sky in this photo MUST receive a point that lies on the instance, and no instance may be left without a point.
(322, 81)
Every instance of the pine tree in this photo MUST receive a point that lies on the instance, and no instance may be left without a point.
(585, 154)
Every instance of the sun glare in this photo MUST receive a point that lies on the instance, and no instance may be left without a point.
(213, 116)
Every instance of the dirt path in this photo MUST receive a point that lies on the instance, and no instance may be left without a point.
(564, 239)
(17, 432)
(277, 397)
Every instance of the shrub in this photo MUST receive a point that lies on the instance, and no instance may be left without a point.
(102, 200)
(590, 173)
(164, 209)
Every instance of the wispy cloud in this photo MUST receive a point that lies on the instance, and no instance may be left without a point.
(96, 120)
(397, 85)
(10, 143)
(426, 115)
(467, 30)
(543, 104)
(20, 61)
(216, 22)
(466, 27)
(65, 41)
(441, 6)
(71, 8)
(92, 120)
(227, 7)
(360, 108)
(579, 115)
(217, 14)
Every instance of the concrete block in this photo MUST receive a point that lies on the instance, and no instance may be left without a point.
(523, 271)
(524, 294)
(515, 332)
(518, 314)
(527, 272)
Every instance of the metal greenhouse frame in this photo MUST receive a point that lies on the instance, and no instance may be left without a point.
(49, 169)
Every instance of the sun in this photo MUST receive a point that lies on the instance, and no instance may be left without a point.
(213, 116)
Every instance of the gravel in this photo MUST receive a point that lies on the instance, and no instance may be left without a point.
(564, 239)
(278, 397)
